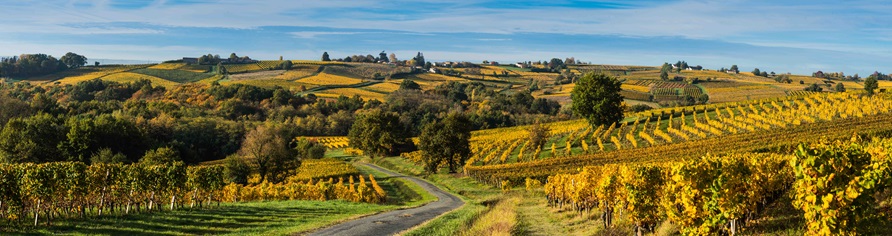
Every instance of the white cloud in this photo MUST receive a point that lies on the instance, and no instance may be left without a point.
(313, 34)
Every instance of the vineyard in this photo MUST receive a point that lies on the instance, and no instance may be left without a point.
(41, 193)
(366, 70)
(724, 194)
(329, 79)
(750, 126)
(331, 142)
(659, 91)
(94, 74)
(324, 169)
(251, 67)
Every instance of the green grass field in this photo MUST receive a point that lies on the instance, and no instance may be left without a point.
(250, 218)
(253, 218)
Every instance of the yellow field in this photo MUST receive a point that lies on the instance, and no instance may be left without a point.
(210, 80)
(385, 87)
(639, 88)
(749, 92)
(537, 76)
(438, 77)
(295, 74)
(93, 75)
(328, 79)
(269, 83)
(488, 70)
(309, 62)
(129, 77)
(168, 66)
(349, 92)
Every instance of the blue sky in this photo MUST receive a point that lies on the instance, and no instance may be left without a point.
(782, 36)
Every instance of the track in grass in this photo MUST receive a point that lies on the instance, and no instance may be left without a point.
(390, 223)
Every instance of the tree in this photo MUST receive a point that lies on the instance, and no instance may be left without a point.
(757, 72)
(161, 156)
(31, 139)
(106, 156)
(814, 88)
(265, 147)
(419, 59)
(236, 169)
(233, 57)
(286, 65)
(393, 58)
(539, 134)
(664, 75)
(383, 57)
(220, 69)
(73, 60)
(446, 142)
(596, 97)
(870, 84)
(309, 149)
(325, 56)
(377, 133)
(734, 68)
(840, 87)
(409, 85)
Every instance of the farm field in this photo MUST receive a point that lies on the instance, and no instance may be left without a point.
(506, 184)
(329, 79)
(445, 118)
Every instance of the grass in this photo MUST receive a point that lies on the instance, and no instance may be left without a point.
(179, 76)
(253, 218)
(479, 199)
(129, 77)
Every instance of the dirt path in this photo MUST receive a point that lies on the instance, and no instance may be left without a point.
(392, 222)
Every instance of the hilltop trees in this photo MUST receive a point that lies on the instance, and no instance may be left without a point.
(596, 97)
(27, 65)
(393, 58)
(419, 60)
(383, 57)
(446, 142)
(72, 60)
(325, 56)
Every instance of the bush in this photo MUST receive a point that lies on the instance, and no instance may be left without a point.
(640, 108)
(236, 170)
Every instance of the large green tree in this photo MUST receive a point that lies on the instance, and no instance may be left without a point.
(446, 142)
(870, 84)
(596, 97)
(378, 133)
(31, 139)
(73, 60)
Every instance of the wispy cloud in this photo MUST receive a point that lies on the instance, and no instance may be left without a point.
(314, 34)
(638, 32)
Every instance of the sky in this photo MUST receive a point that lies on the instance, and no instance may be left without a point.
(782, 36)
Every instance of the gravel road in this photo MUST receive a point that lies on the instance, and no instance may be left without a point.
(393, 222)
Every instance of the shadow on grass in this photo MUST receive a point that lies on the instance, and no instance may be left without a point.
(226, 219)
